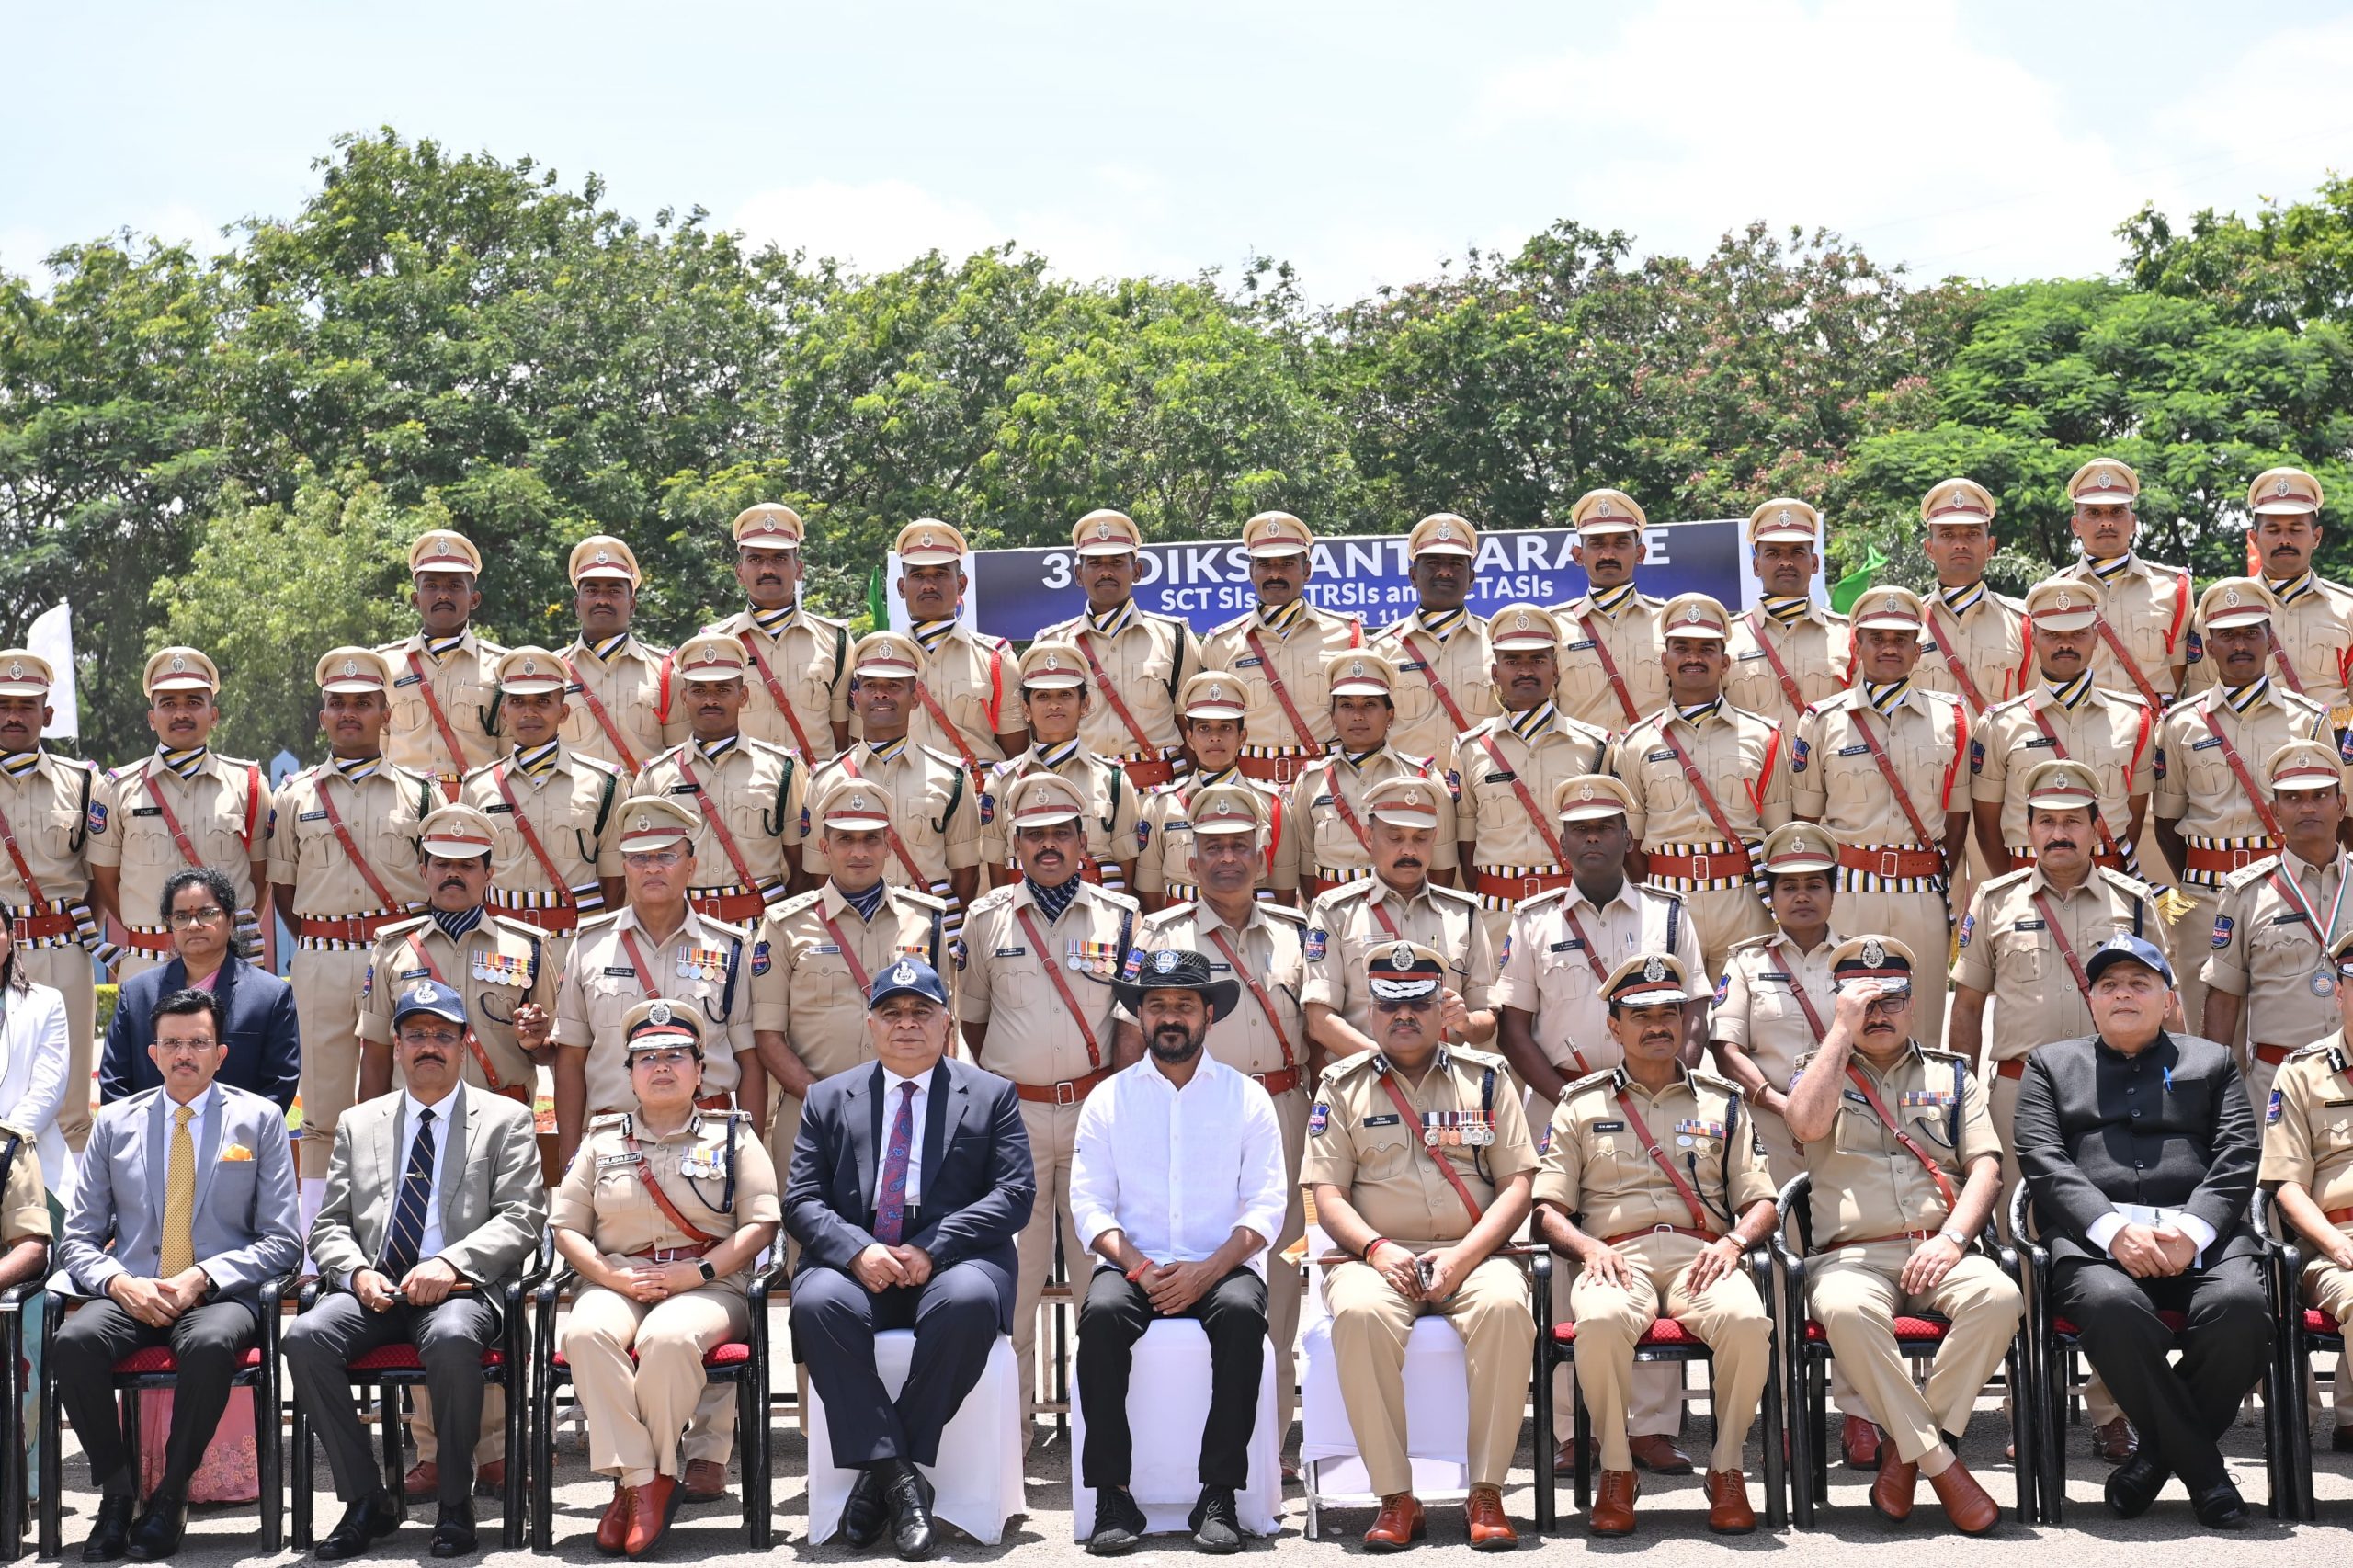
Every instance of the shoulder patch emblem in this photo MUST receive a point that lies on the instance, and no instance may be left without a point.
(1320, 1117)
(1799, 752)
(1968, 929)
(2223, 924)
(1313, 947)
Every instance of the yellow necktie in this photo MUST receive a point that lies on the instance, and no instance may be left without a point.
(179, 1198)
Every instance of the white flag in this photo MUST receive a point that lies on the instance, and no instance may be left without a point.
(51, 637)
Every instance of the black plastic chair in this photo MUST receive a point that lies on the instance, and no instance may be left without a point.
(2305, 1330)
(15, 1493)
(387, 1368)
(157, 1369)
(1806, 1363)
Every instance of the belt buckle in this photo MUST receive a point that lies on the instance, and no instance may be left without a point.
(1703, 867)
(1066, 1092)
(1887, 864)
(2242, 858)
(1663, 1228)
(1283, 769)
(1531, 886)
(20, 929)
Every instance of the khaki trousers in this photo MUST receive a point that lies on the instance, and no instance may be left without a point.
(2330, 1289)
(326, 1008)
(1284, 1286)
(1721, 916)
(1053, 1141)
(1370, 1324)
(1727, 1317)
(636, 1413)
(1854, 1295)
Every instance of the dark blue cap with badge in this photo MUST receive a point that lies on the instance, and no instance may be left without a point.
(429, 996)
(907, 977)
(2123, 946)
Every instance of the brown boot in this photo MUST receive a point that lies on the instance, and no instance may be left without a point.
(705, 1481)
(1613, 1504)
(1728, 1509)
(1398, 1526)
(2115, 1441)
(1898, 1483)
(423, 1482)
(1860, 1440)
(657, 1505)
(612, 1530)
(1966, 1504)
(1490, 1527)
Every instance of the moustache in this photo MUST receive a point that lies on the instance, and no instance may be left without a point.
(2059, 843)
(1408, 863)
(449, 882)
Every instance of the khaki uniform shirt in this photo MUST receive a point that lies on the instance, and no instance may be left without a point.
(1322, 842)
(224, 811)
(1989, 638)
(803, 987)
(706, 962)
(1835, 780)
(1272, 944)
(640, 695)
(2148, 606)
(934, 810)
(604, 1196)
(1739, 758)
(1633, 638)
(1422, 724)
(1002, 980)
(1867, 1184)
(2195, 786)
(1360, 1142)
(2269, 950)
(24, 1204)
(1165, 837)
(2008, 951)
(1756, 1008)
(1597, 1169)
(499, 965)
(2307, 1126)
(2315, 634)
(1491, 817)
(2112, 732)
(1298, 655)
(464, 682)
(1112, 802)
(1547, 969)
(976, 682)
(760, 792)
(574, 812)
(1348, 922)
(809, 655)
(381, 812)
(1815, 651)
(55, 811)
(1146, 658)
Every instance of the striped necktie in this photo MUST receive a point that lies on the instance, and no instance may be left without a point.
(603, 652)
(2115, 567)
(180, 1199)
(2070, 694)
(358, 770)
(774, 621)
(1528, 725)
(1111, 622)
(1442, 623)
(409, 1212)
(439, 648)
(2291, 590)
(1788, 609)
(930, 634)
(186, 763)
(1961, 601)
(1280, 619)
(1610, 601)
(1885, 699)
(536, 762)
(19, 764)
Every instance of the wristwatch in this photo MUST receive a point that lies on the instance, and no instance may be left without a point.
(703, 1266)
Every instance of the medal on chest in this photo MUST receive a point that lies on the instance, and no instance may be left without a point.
(701, 963)
(1098, 958)
(1458, 1128)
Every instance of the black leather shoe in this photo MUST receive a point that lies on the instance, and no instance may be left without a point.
(2220, 1508)
(365, 1523)
(1215, 1522)
(2340, 1440)
(110, 1537)
(1119, 1523)
(2134, 1485)
(156, 1534)
(453, 1532)
(865, 1517)
(909, 1496)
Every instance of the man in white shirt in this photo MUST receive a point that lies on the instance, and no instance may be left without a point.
(1177, 1185)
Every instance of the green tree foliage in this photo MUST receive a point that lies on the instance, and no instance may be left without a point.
(2291, 267)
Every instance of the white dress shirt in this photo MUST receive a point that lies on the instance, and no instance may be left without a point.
(411, 1110)
(1178, 1170)
(890, 1099)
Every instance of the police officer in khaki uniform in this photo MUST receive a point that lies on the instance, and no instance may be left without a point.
(1054, 704)
(553, 809)
(1440, 649)
(343, 865)
(1211, 719)
(1610, 673)
(50, 806)
(1137, 661)
(1652, 1240)
(814, 956)
(1773, 1000)
(2313, 624)
(1788, 651)
(2278, 919)
(747, 795)
(2308, 1165)
(1277, 651)
(1508, 770)
(2210, 816)
(1262, 946)
(963, 691)
(1884, 766)
(2144, 611)
(1397, 902)
(1420, 1162)
(444, 698)
(1333, 843)
(623, 707)
(1707, 781)
(1033, 992)
(2063, 717)
(662, 1215)
(182, 806)
(1975, 639)
(1906, 1167)
(800, 660)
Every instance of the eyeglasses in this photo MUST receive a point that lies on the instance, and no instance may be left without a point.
(445, 1039)
(1403, 1004)
(185, 1047)
(672, 1059)
(647, 860)
(181, 919)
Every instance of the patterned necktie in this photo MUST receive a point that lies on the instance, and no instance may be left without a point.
(417, 1192)
(891, 1203)
(179, 1198)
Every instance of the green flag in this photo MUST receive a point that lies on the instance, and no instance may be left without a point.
(1855, 583)
(878, 603)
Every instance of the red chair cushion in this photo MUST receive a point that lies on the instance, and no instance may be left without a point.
(733, 1354)
(1665, 1333)
(158, 1358)
(404, 1358)
(2178, 1322)
(2320, 1323)
(1908, 1330)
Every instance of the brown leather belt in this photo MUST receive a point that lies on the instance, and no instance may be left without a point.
(735, 908)
(2337, 1216)
(1070, 1091)
(515, 1091)
(1274, 770)
(40, 927)
(1662, 1231)
(675, 1254)
(1148, 772)
(1495, 886)
(157, 943)
(716, 1102)
(2014, 1067)
(1916, 1237)
(1701, 868)
(2221, 862)
(1280, 1082)
(1892, 862)
(2274, 1054)
(344, 927)
(556, 920)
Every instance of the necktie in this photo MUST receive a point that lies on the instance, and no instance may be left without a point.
(179, 1198)
(417, 1191)
(891, 1203)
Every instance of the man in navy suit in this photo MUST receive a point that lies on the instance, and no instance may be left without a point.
(909, 1181)
(264, 1040)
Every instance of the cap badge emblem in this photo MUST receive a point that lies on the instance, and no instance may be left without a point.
(1402, 956)
(2282, 487)
(1164, 961)
(1891, 604)
(1357, 667)
(1604, 509)
(1784, 517)
(602, 558)
(179, 663)
(659, 1013)
(903, 975)
(1585, 791)
(350, 668)
(1874, 953)
(645, 822)
(2061, 600)
(423, 993)
(1654, 968)
(1217, 694)
(530, 665)
(923, 541)
(858, 803)
(1103, 530)
(1446, 530)
(1521, 623)
(440, 547)
(2230, 598)
(2105, 480)
(1694, 615)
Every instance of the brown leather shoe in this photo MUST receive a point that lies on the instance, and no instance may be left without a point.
(1728, 1509)
(1860, 1440)
(2115, 1441)
(612, 1530)
(1657, 1452)
(490, 1480)
(657, 1505)
(1490, 1528)
(1966, 1504)
(705, 1481)
(1400, 1524)
(1613, 1504)
(423, 1482)
(1898, 1483)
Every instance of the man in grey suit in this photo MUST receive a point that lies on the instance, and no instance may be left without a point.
(187, 1205)
(433, 1205)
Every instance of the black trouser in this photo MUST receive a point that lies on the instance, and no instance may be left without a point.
(2180, 1412)
(1233, 1312)
(449, 1340)
(208, 1341)
(834, 1320)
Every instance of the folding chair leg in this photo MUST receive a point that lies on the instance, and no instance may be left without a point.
(269, 1451)
(510, 1526)
(1546, 1503)
(1581, 1434)
(302, 1502)
(1777, 1469)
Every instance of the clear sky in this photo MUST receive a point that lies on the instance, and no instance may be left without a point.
(1365, 143)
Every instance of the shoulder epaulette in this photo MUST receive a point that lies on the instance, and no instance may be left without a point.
(1478, 1057)
(1941, 1054)
(1229, 626)
(1549, 895)
(1745, 943)
(950, 758)
(1117, 900)
(1174, 786)
(2017, 606)
(604, 917)
(609, 1122)
(2008, 879)
(1282, 911)
(1441, 891)
(740, 933)
(514, 928)
(1354, 1062)
(2007, 703)
(664, 754)
(796, 904)
(922, 900)
(1715, 1081)
(403, 927)
(2247, 876)
(2126, 883)
(993, 898)
(1160, 918)
(1590, 1082)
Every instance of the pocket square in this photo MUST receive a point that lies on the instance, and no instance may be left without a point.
(236, 1151)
